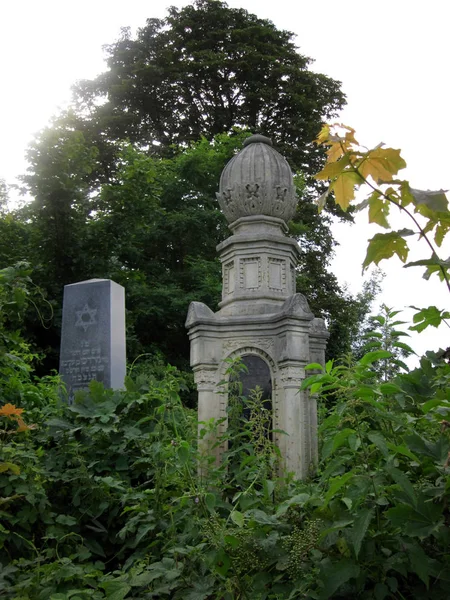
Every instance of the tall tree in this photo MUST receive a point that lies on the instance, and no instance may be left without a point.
(203, 70)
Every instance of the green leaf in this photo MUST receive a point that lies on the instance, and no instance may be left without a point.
(416, 522)
(378, 439)
(381, 591)
(402, 480)
(359, 529)
(336, 484)
(378, 210)
(66, 520)
(338, 440)
(389, 388)
(404, 450)
(420, 562)
(315, 366)
(298, 500)
(9, 466)
(332, 576)
(386, 245)
(115, 590)
(183, 452)
(436, 201)
(237, 517)
(210, 501)
(427, 317)
(371, 357)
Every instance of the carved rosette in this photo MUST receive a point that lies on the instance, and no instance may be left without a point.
(257, 181)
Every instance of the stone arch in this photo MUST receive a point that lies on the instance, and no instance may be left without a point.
(273, 370)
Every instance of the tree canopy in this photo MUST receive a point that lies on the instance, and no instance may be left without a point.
(203, 70)
(124, 181)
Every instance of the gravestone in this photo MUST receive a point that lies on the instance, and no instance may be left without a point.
(93, 335)
(262, 319)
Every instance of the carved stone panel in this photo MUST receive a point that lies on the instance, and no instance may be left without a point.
(228, 278)
(250, 273)
(277, 274)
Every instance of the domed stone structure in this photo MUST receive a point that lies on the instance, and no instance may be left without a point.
(262, 320)
(257, 181)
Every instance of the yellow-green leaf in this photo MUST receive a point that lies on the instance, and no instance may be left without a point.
(406, 196)
(381, 164)
(334, 152)
(344, 188)
(385, 245)
(323, 135)
(333, 169)
(8, 466)
(378, 210)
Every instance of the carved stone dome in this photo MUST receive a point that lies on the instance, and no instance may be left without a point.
(257, 181)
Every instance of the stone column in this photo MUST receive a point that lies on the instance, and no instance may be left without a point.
(318, 336)
(294, 420)
(209, 400)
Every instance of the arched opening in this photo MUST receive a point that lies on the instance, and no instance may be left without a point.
(252, 387)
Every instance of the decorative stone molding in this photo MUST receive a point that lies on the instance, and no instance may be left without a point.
(317, 327)
(231, 345)
(205, 377)
(291, 374)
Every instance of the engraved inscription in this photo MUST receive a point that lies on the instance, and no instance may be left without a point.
(85, 364)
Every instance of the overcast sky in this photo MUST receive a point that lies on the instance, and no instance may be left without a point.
(392, 57)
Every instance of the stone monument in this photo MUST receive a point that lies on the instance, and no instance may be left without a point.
(261, 318)
(93, 335)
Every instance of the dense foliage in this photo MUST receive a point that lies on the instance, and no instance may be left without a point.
(101, 499)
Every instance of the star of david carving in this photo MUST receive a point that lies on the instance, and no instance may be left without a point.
(86, 317)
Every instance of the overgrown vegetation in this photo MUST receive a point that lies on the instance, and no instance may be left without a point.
(102, 499)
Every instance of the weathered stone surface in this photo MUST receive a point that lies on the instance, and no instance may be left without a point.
(93, 335)
(257, 181)
(261, 319)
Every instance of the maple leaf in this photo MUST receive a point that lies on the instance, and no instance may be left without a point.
(323, 135)
(344, 188)
(335, 151)
(381, 164)
(385, 245)
(333, 169)
(378, 210)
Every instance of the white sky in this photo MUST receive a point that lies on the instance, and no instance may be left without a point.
(392, 58)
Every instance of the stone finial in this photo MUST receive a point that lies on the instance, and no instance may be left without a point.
(257, 181)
